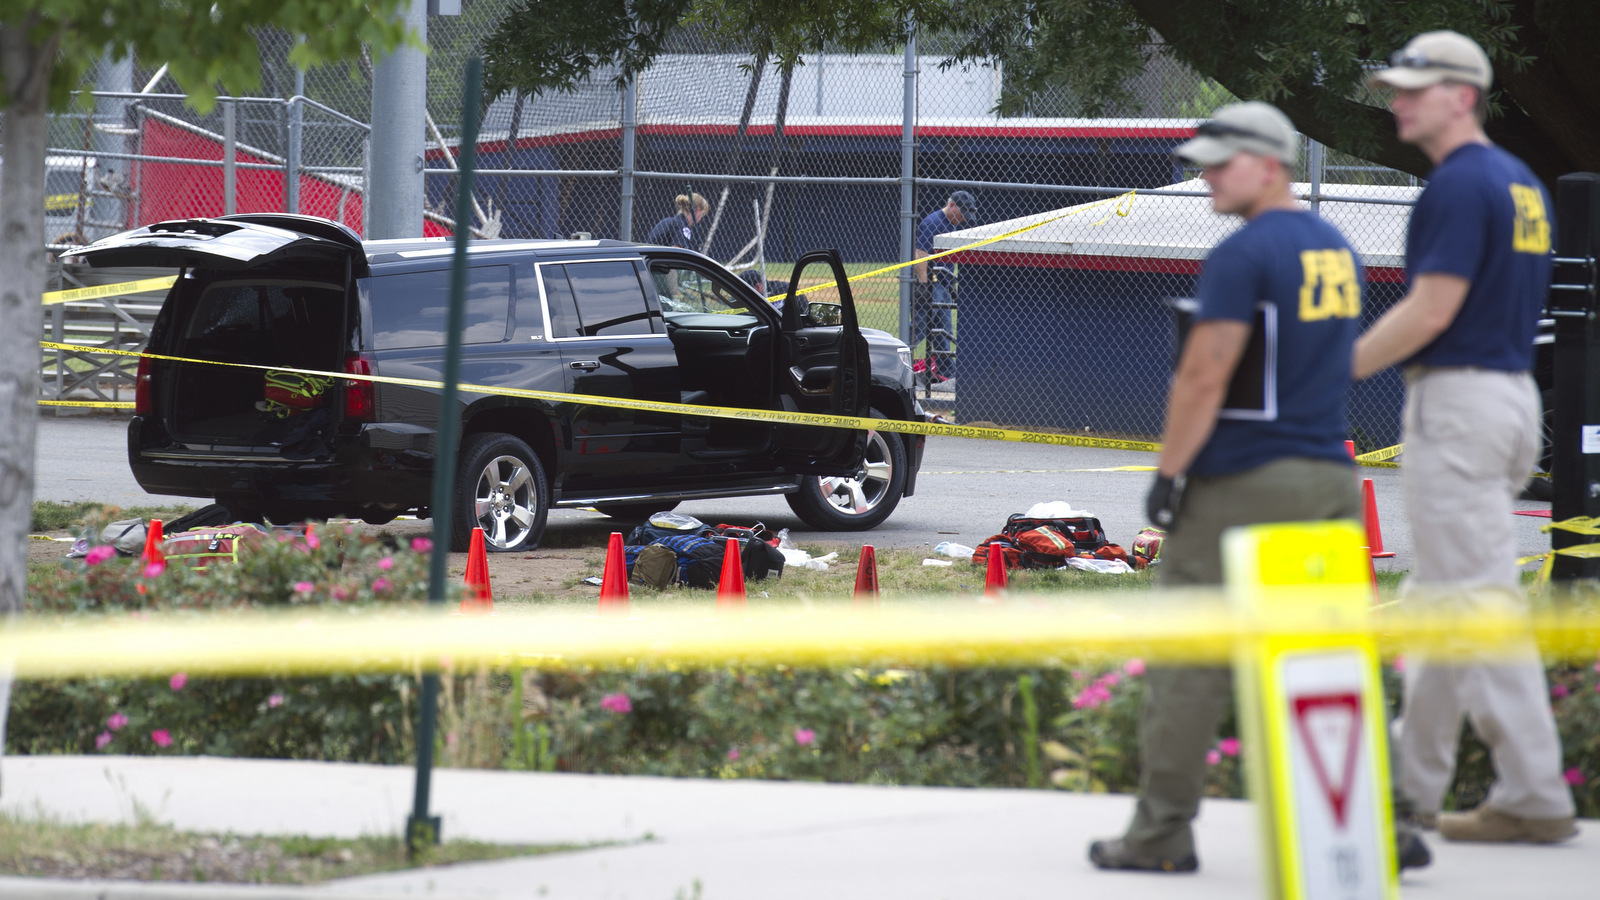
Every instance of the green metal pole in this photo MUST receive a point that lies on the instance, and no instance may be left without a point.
(421, 828)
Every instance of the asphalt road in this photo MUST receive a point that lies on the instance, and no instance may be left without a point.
(965, 492)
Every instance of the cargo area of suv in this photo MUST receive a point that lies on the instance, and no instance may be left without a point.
(260, 321)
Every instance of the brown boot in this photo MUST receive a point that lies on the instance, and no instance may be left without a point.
(1491, 826)
(1119, 854)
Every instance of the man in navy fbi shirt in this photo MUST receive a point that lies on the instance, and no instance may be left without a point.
(1255, 433)
(1477, 255)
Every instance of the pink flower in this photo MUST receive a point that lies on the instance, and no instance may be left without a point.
(102, 740)
(421, 545)
(98, 555)
(733, 753)
(304, 587)
(1399, 663)
(154, 570)
(1213, 757)
(1093, 696)
(117, 722)
(1229, 746)
(275, 701)
(379, 585)
(617, 703)
(1574, 776)
(450, 739)
(178, 681)
(162, 737)
(1559, 690)
(1077, 674)
(1134, 667)
(805, 737)
(386, 563)
(312, 540)
(1110, 679)
(340, 593)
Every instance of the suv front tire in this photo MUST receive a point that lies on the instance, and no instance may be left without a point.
(861, 500)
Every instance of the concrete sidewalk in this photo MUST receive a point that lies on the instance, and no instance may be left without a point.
(736, 840)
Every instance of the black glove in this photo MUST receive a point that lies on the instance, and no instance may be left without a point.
(1166, 495)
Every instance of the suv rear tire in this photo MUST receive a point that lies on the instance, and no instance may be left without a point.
(500, 488)
(861, 500)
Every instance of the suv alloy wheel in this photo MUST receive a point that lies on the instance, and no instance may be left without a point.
(861, 500)
(501, 488)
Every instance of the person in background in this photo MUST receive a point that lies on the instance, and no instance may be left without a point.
(1279, 457)
(960, 209)
(1478, 260)
(678, 230)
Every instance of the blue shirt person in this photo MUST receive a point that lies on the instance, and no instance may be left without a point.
(1254, 433)
(1477, 256)
(678, 230)
(959, 210)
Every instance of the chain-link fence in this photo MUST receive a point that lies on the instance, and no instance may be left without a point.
(1066, 326)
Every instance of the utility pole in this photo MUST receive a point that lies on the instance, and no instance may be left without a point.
(395, 194)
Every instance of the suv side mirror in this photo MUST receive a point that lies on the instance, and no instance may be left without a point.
(826, 313)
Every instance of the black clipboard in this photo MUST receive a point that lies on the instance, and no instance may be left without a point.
(1252, 392)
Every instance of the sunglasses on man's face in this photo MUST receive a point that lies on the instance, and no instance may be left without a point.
(1414, 59)
(1215, 129)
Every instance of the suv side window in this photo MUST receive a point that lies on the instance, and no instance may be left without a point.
(410, 309)
(610, 299)
(563, 308)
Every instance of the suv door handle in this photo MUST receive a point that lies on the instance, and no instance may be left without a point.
(584, 365)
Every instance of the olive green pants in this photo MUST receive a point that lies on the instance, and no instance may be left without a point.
(1184, 705)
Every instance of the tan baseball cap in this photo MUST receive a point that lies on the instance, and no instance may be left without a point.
(1250, 127)
(1434, 57)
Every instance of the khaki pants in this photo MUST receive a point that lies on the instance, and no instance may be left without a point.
(1184, 705)
(1472, 436)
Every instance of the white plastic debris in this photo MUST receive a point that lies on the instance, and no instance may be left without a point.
(937, 562)
(1103, 566)
(951, 548)
(1055, 509)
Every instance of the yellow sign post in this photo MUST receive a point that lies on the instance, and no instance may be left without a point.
(1311, 710)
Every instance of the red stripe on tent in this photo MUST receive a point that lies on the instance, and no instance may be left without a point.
(882, 131)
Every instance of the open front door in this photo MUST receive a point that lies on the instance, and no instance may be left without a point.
(823, 367)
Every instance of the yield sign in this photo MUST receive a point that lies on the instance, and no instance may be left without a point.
(1330, 728)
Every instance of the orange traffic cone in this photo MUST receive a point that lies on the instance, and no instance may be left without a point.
(154, 542)
(1374, 530)
(478, 596)
(730, 590)
(614, 583)
(1350, 448)
(867, 577)
(994, 581)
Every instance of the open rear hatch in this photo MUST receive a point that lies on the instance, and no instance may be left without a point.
(259, 291)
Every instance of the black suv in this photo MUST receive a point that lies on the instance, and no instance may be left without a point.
(606, 318)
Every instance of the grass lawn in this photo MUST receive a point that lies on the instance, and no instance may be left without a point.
(149, 851)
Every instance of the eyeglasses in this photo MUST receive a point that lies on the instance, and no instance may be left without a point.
(1217, 129)
(1414, 59)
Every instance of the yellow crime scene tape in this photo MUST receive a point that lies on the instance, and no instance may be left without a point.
(110, 290)
(1124, 206)
(1024, 630)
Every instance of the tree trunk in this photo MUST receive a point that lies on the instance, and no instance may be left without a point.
(25, 67)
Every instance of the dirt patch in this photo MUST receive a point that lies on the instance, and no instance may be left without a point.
(544, 572)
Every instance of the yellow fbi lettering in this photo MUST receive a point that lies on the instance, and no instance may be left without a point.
(1330, 289)
(1531, 231)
